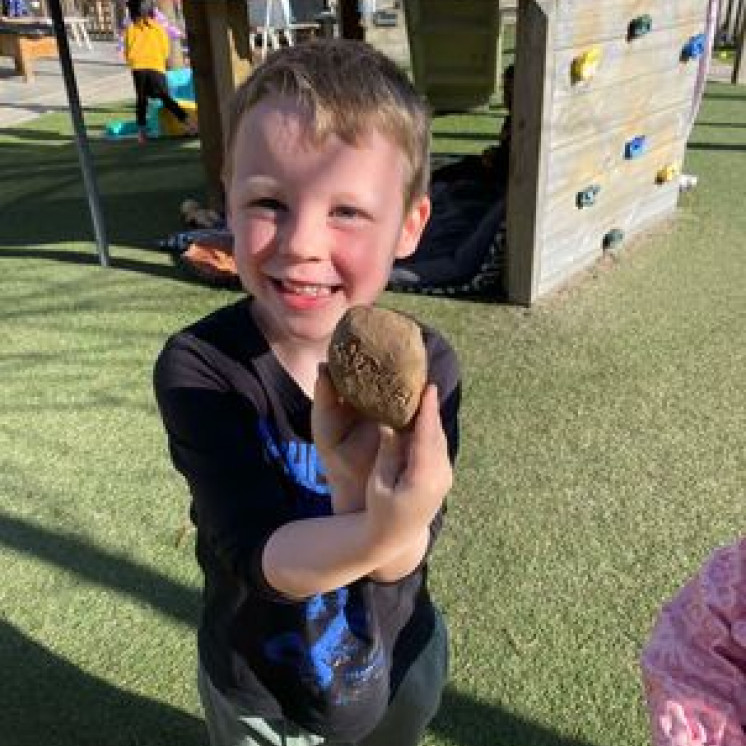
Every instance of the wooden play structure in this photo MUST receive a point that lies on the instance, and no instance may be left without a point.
(602, 112)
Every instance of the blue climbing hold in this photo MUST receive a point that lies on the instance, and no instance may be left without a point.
(694, 48)
(636, 147)
(587, 196)
(613, 239)
(639, 27)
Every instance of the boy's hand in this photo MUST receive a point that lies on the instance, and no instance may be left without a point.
(411, 476)
(346, 442)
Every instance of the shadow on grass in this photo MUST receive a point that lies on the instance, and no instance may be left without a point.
(734, 125)
(164, 271)
(44, 200)
(468, 722)
(715, 146)
(724, 96)
(97, 707)
(46, 699)
(101, 568)
(20, 133)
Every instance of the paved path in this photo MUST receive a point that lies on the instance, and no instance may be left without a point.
(101, 75)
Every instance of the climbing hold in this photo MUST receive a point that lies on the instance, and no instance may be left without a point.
(613, 239)
(667, 173)
(587, 196)
(585, 66)
(635, 147)
(639, 27)
(694, 48)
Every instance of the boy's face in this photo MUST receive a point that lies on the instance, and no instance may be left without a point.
(316, 226)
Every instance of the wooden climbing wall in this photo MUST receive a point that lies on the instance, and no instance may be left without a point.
(602, 113)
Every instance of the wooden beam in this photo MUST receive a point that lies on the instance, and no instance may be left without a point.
(175, 54)
(218, 39)
(529, 148)
(739, 69)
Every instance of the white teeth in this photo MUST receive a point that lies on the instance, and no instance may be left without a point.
(314, 291)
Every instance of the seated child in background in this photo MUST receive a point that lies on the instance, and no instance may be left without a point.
(313, 525)
(694, 665)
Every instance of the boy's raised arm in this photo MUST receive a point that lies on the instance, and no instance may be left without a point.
(405, 489)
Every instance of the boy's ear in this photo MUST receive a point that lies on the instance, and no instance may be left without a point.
(414, 223)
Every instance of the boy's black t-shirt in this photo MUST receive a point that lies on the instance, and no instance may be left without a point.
(239, 431)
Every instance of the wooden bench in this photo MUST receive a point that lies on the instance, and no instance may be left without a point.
(25, 42)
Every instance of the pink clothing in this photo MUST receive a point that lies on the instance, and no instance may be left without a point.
(694, 665)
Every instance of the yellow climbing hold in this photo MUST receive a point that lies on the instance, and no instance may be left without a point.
(585, 66)
(668, 173)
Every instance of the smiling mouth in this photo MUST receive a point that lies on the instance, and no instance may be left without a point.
(309, 290)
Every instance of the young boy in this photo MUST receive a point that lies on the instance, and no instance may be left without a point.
(313, 525)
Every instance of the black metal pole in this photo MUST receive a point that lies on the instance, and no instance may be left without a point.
(81, 139)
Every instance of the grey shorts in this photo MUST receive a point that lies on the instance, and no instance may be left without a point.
(413, 707)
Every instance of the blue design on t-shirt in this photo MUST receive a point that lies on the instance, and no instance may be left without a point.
(342, 647)
(301, 462)
(336, 654)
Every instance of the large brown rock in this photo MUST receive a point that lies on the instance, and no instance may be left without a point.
(378, 364)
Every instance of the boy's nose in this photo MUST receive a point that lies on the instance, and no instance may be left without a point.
(303, 236)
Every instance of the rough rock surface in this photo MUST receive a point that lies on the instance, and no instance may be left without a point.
(378, 364)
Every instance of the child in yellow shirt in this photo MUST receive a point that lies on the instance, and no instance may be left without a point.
(146, 47)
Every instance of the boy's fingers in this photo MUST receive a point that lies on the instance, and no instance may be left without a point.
(427, 448)
(323, 392)
(331, 419)
(325, 402)
(389, 459)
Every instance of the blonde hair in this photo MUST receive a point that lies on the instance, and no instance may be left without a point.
(348, 88)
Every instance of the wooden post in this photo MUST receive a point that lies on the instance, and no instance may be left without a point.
(218, 39)
(175, 55)
(528, 149)
(739, 69)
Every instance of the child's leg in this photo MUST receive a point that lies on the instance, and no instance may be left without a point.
(159, 89)
(227, 725)
(141, 96)
(417, 700)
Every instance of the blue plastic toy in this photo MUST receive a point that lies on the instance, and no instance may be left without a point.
(122, 130)
(180, 86)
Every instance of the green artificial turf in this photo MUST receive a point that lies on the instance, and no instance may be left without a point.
(603, 441)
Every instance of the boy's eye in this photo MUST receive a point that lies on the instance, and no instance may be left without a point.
(269, 204)
(347, 212)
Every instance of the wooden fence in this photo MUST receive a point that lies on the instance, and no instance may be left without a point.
(730, 20)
